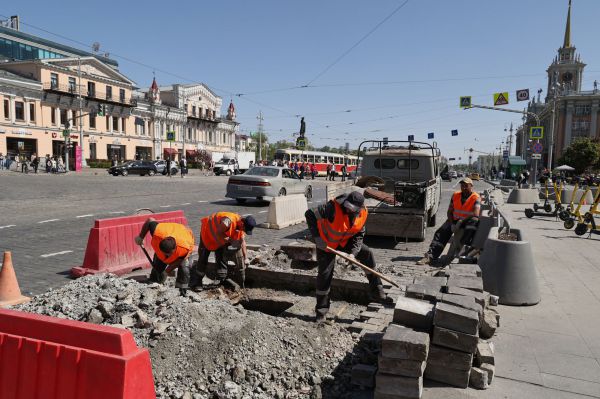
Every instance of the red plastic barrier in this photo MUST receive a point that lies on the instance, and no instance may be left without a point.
(45, 357)
(111, 247)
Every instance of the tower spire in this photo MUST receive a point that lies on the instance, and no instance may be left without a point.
(567, 42)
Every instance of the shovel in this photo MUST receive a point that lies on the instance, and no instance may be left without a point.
(365, 268)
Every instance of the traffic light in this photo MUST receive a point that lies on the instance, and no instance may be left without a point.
(101, 110)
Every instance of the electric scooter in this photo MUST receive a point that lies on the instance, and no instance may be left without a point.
(566, 212)
(588, 219)
(547, 206)
(576, 214)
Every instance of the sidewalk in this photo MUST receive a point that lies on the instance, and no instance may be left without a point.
(550, 350)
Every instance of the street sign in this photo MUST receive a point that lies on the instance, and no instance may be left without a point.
(454, 132)
(538, 147)
(430, 135)
(536, 156)
(66, 133)
(500, 98)
(411, 137)
(300, 143)
(536, 132)
(523, 95)
(505, 154)
(451, 159)
(465, 102)
(171, 136)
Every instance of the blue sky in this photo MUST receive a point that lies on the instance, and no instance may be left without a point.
(405, 78)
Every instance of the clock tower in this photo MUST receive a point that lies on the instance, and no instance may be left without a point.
(567, 68)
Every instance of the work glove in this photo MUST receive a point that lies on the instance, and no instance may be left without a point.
(320, 243)
(139, 240)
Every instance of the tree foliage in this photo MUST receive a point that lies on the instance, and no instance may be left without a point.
(582, 154)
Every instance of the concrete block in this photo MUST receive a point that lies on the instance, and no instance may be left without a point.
(523, 196)
(363, 375)
(357, 327)
(457, 378)
(404, 343)
(471, 283)
(431, 281)
(286, 211)
(402, 367)
(456, 318)
(373, 315)
(399, 387)
(491, 370)
(480, 297)
(466, 302)
(449, 358)
(454, 340)
(300, 250)
(493, 300)
(374, 306)
(485, 353)
(478, 378)
(489, 324)
(465, 269)
(420, 291)
(371, 339)
(413, 313)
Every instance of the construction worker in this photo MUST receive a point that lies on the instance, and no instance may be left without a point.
(340, 224)
(219, 232)
(463, 213)
(173, 244)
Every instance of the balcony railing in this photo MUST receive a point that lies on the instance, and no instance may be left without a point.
(93, 94)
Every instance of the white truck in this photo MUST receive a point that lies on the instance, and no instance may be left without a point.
(234, 163)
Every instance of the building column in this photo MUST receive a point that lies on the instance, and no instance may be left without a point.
(26, 110)
(594, 120)
(568, 124)
(12, 109)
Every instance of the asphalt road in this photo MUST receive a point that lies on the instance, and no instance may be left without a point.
(45, 219)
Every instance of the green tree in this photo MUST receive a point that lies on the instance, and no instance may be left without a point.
(582, 154)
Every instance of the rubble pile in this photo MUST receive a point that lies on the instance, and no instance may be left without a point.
(207, 348)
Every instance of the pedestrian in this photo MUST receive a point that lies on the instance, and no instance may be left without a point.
(61, 165)
(137, 156)
(1, 161)
(328, 172)
(35, 162)
(48, 163)
(113, 161)
(302, 171)
(54, 168)
(173, 244)
(183, 167)
(332, 174)
(344, 170)
(313, 170)
(463, 212)
(340, 224)
(219, 232)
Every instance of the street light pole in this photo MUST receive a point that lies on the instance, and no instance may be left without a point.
(83, 163)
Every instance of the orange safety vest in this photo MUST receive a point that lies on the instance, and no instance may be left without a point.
(184, 238)
(463, 211)
(211, 239)
(338, 232)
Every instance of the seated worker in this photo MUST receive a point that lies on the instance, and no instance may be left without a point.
(218, 232)
(173, 244)
(340, 224)
(463, 212)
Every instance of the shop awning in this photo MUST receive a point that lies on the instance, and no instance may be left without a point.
(191, 153)
(170, 151)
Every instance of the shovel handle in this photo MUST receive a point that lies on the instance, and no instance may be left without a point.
(365, 268)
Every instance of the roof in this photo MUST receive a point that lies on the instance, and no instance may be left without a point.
(60, 47)
(516, 161)
(9, 75)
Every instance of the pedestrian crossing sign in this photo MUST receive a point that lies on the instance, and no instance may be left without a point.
(536, 132)
(430, 135)
(171, 136)
(411, 137)
(465, 102)
(501, 98)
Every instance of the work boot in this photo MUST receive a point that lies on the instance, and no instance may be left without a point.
(425, 260)
(378, 295)
(320, 318)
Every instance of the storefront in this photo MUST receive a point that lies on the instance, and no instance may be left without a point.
(20, 146)
(170, 153)
(143, 152)
(115, 150)
(58, 149)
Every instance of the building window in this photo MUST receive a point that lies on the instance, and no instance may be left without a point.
(92, 121)
(19, 111)
(54, 81)
(32, 112)
(123, 125)
(6, 109)
(72, 85)
(193, 110)
(139, 126)
(93, 151)
(91, 89)
(63, 116)
(122, 95)
(583, 110)
(108, 92)
(53, 115)
(115, 122)
(107, 123)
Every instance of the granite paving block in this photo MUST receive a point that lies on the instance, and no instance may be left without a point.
(457, 378)
(402, 387)
(480, 297)
(467, 302)
(484, 353)
(421, 291)
(402, 367)
(478, 378)
(454, 340)
(471, 283)
(450, 358)
(431, 281)
(404, 343)
(456, 318)
(363, 375)
(414, 313)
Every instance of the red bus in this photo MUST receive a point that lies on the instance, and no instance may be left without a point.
(320, 159)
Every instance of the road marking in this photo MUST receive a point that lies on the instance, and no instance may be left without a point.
(185, 203)
(202, 202)
(263, 211)
(84, 216)
(116, 212)
(247, 214)
(5, 227)
(48, 221)
(55, 254)
(165, 206)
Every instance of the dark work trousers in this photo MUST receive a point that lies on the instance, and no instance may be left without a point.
(159, 274)
(223, 271)
(326, 262)
(440, 239)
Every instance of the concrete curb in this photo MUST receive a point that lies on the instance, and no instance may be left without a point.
(523, 196)
(286, 211)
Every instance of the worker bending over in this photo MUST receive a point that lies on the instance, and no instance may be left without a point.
(340, 224)
(219, 232)
(463, 213)
(173, 244)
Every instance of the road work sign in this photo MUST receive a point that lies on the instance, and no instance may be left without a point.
(536, 132)
(523, 95)
(465, 102)
(500, 98)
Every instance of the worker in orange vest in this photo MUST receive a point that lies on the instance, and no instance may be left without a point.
(218, 232)
(340, 224)
(173, 244)
(463, 213)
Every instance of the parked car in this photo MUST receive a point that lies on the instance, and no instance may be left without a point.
(445, 175)
(453, 174)
(474, 176)
(161, 167)
(141, 168)
(266, 181)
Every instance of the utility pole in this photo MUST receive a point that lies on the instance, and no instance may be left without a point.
(510, 139)
(551, 135)
(260, 133)
(83, 163)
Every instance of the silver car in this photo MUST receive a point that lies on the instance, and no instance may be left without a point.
(266, 181)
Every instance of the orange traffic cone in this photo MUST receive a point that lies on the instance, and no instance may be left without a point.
(10, 293)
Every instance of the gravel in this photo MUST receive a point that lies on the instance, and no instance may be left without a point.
(204, 347)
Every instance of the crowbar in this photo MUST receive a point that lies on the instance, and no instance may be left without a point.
(365, 268)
